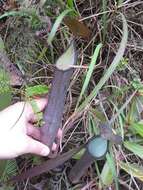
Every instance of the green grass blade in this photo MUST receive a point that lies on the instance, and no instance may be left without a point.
(135, 148)
(138, 127)
(36, 90)
(14, 13)
(132, 169)
(56, 25)
(89, 72)
(2, 47)
(70, 4)
(104, 18)
(106, 175)
(111, 68)
(111, 164)
(9, 170)
(5, 90)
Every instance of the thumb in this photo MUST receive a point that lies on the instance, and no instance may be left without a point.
(36, 147)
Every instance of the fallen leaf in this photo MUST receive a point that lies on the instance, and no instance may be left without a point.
(77, 27)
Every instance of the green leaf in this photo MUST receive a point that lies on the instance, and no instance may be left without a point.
(137, 84)
(135, 148)
(14, 13)
(89, 72)
(132, 169)
(1, 44)
(2, 166)
(78, 155)
(138, 127)
(36, 90)
(111, 68)
(111, 163)
(123, 64)
(104, 18)
(4, 81)
(70, 3)
(106, 175)
(10, 169)
(133, 113)
(57, 24)
(92, 128)
(37, 112)
(5, 100)
(5, 90)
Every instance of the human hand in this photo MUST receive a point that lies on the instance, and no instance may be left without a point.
(17, 134)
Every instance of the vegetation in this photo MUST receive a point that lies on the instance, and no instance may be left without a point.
(106, 86)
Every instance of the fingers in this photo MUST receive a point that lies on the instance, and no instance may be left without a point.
(33, 131)
(36, 147)
(22, 111)
(59, 137)
(59, 134)
(40, 104)
(54, 147)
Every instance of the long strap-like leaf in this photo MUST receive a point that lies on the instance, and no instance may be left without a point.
(111, 68)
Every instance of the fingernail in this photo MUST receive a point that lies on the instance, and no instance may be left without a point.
(45, 151)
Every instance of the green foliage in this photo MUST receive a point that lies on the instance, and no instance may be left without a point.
(128, 115)
(30, 14)
(36, 90)
(5, 100)
(78, 155)
(56, 25)
(9, 169)
(89, 72)
(106, 175)
(32, 91)
(132, 115)
(70, 5)
(132, 169)
(138, 127)
(92, 128)
(137, 85)
(123, 63)
(111, 68)
(5, 90)
(111, 163)
(4, 81)
(2, 47)
(135, 148)
(37, 112)
(34, 20)
(15, 13)
(104, 18)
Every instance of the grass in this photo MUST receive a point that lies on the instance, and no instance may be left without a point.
(89, 72)
(107, 83)
(112, 67)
